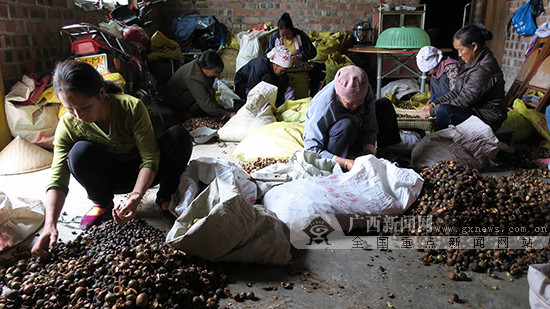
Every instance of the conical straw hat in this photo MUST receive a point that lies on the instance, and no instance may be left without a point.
(21, 156)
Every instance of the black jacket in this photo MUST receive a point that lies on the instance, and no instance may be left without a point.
(480, 86)
(307, 50)
(255, 71)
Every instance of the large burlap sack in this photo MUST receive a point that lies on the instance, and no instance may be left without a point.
(35, 123)
(203, 171)
(222, 225)
(258, 111)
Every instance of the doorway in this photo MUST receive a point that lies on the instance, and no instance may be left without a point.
(443, 19)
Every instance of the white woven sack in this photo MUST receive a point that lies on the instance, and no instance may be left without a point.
(372, 187)
(257, 112)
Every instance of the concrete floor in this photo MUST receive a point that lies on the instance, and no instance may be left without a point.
(321, 278)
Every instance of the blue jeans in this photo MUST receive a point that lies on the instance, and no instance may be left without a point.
(103, 176)
(447, 114)
(547, 114)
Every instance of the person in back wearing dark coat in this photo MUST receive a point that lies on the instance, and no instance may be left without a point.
(479, 88)
(271, 69)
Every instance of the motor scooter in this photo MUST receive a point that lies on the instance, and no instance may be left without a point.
(119, 48)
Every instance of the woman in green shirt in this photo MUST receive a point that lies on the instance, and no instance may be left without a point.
(106, 141)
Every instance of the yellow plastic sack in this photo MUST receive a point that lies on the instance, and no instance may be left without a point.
(62, 110)
(299, 83)
(48, 95)
(334, 62)
(163, 47)
(277, 140)
(420, 99)
(115, 78)
(523, 130)
(293, 110)
(537, 119)
(231, 41)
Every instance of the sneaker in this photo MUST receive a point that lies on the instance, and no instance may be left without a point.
(542, 163)
(96, 215)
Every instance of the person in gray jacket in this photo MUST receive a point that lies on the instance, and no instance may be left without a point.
(190, 90)
(345, 119)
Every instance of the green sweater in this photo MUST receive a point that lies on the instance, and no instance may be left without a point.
(131, 136)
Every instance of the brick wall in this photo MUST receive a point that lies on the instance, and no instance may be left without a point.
(319, 15)
(515, 46)
(29, 35)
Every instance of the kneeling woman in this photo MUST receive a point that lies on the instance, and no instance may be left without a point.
(106, 141)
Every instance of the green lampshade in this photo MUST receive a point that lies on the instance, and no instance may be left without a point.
(403, 38)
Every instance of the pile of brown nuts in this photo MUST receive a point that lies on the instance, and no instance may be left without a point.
(195, 123)
(300, 66)
(523, 158)
(407, 116)
(260, 163)
(112, 266)
(404, 104)
(457, 196)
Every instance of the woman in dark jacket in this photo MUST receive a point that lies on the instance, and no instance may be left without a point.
(479, 89)
(302, 49)
(271, 69)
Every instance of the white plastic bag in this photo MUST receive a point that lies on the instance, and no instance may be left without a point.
(472, 142)
(35, 123)
(257, 112)
(538, 277)
(201, 172)
(18, 220)
(373, 186)
(222, 225)
(250, 46)
(227, 96)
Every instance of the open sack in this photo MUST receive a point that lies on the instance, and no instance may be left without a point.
(257, 112)
(18, 220)
(373, 186)
(471, 142)
(201, 172)
(223, 225)
(33, 122)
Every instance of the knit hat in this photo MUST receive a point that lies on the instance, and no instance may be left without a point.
(428, 57)
(351, 83)
(280, 55)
